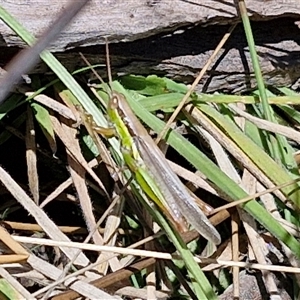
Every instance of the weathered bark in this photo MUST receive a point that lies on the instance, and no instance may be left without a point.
(172, 38)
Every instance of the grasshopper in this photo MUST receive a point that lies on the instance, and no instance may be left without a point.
(153, 173)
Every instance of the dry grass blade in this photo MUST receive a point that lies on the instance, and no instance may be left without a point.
(221, 156)
(269, 126)
(40, 216)
(258, 244)
(20, 255)
(196, 81)
(110, 237)
(256, 195)
(260, 251)
(111, 279)
(78, 177)
(75, 153)
(17, 286)
(37, 228)
(235, 253)
(33, 178)
(197, 179)
(153, 254)
(63, 186)
(56, 192)
(54, 105)
(81, 287)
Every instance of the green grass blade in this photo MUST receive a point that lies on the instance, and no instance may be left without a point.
(266, 164)
(202, 286)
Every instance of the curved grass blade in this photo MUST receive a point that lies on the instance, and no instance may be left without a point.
(27, 58)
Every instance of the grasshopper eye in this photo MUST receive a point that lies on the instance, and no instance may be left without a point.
(114, 102)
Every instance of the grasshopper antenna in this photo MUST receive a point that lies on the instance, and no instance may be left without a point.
(105, 85)
(108, 62)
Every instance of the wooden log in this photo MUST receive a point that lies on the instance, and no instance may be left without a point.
(171, 38)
